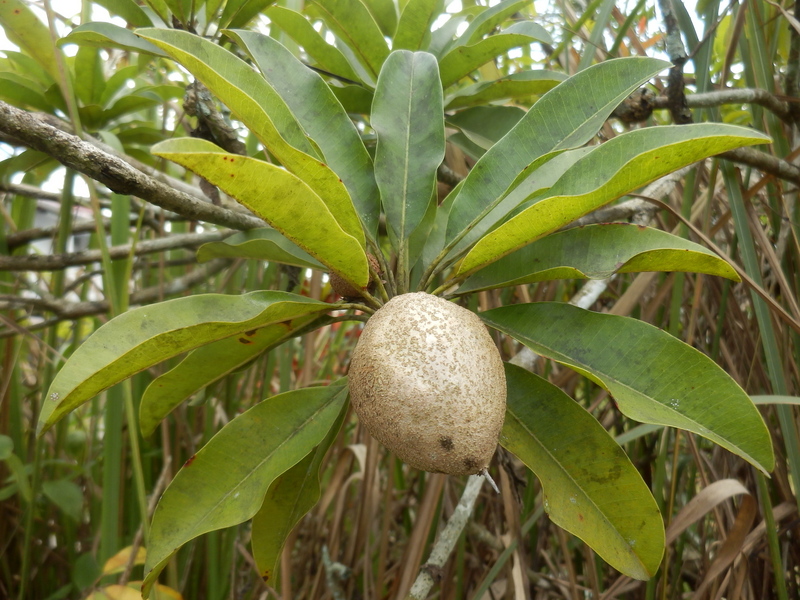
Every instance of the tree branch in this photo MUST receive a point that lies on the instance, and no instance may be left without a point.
(113, 172)
(447, 539)
(65, 310)
(765, 162)
(733, 96)
(54, 262)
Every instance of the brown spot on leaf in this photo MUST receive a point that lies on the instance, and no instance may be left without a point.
(250, 333)
(190, 461)
(245, 340)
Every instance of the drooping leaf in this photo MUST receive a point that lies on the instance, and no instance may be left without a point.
(414, 28)
(321, 115)
(147, 335)
(225, 482)
(590, 487)
(408, 119)
(283, 201)
(263, 243)
(289, 497)
(326, 56)
(207, 364)
(514, 86)
(610, 170)
(463, 60)
(257, 105)
(597, 252)
(23, 28)
(560, 120)
(652, 376)
(353, 24)
(108, 35)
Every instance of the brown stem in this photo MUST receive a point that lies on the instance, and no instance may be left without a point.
(113, 172)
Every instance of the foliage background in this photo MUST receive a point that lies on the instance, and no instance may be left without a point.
(69, 502)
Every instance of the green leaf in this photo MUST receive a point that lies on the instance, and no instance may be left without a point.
(263, 243)
(534, 179)
(281, 199)
(407, 116)
(22, 64)
(513, 86)
(776, 399)
(353, 24)
(89, 80)
(597, 252)
(67, 496)
(6, 447)
(147, 335)
(485, 125)
(289, 497)
(463, 60)
(560, 120)
(354, 98)
(414, 28)
(208, 364)
(621, 165)
(126, 105)
(489, 18)
(19, 476)
(322, 117)
(23, 28)
(259, 107)
(590, 487)
(652, 376)
(22, 91)
(108, 35)
(385, 14)
(238, 13)
(128, 10)
(225, 482)
(327, 57)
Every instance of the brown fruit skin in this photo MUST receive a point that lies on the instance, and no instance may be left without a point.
(345, 290)
(427, 381)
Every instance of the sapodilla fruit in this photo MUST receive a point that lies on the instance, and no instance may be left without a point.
(427, 381)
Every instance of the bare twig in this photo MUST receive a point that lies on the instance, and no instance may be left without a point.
(447, 539)
(113, 172)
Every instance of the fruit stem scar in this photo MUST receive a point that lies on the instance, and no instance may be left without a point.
(487, 477)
